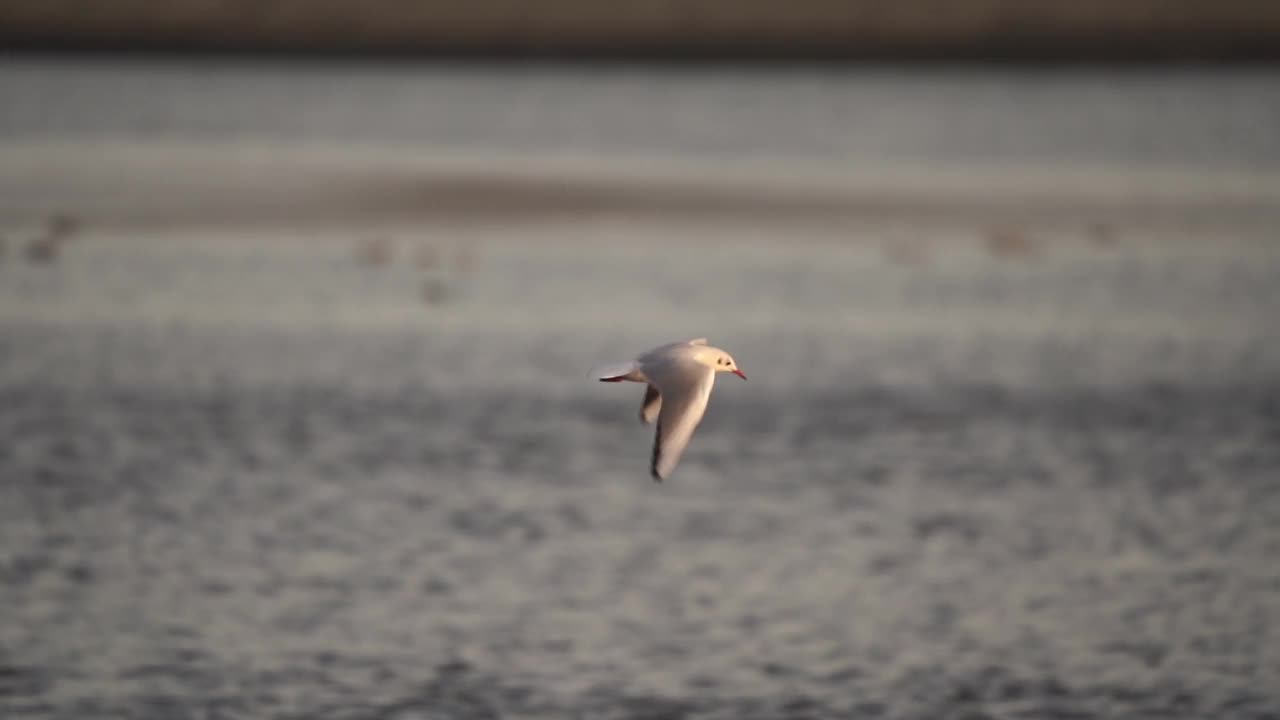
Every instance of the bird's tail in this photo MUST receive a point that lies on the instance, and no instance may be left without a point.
(616, 372)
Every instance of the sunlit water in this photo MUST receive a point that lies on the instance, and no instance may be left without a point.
(253, 476)
(258, 472)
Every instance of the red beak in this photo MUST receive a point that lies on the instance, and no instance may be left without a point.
(740, 374)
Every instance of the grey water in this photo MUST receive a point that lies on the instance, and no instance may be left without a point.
(248, 472)
(1207, 118)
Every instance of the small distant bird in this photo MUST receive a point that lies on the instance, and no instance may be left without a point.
(63, 225)
(1009, 242)
(375, 251)
(466, 260)
(434, 292)
(679, 377)
(59, 229)
(426, 257)
(907, 252)
(44, 249)
(1102, 234)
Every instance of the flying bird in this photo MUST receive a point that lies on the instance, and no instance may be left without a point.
(679, 377)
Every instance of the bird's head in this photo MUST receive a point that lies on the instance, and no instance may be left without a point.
(720, 361)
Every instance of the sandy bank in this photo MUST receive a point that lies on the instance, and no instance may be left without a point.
(146, 183)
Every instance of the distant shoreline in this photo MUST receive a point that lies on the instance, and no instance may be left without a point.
(1239, 49)
(1003, 30)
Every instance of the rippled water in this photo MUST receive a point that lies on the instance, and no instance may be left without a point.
(247, 475)
(980, 470)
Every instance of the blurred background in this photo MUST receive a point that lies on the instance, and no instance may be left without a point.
(298, 302)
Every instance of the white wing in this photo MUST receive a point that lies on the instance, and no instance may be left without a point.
(685, 388)
(617, 372)
(651, 405)
(663, 353)
(630, 370)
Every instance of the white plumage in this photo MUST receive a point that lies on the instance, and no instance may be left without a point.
(678, 379)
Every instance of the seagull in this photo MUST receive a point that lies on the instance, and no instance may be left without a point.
(679, 377)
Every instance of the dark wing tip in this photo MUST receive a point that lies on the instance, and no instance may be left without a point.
(657, 452)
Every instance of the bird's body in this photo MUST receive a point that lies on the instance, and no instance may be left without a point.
(678, 379)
